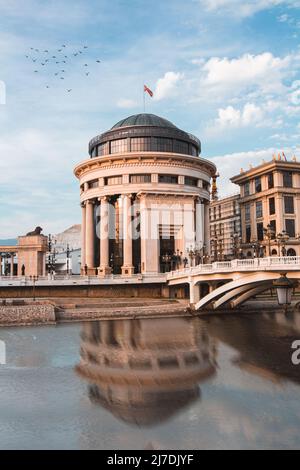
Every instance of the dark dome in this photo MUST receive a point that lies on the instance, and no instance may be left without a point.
(144, 120)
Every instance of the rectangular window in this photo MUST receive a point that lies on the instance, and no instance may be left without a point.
(140, 144)
(194, 151)
(260, 232)
(247, 189)
(259, 209)
(258, 187)
(289, 205)
(169, 179)
(248, 233)
(113, 180)
(140, 178)
(290, 228)
(287, 179)
(162, 144)
(118, 146)
(93, 184)
(181, 147)
(247, 212)
(273, 228)
(270, 180)
(189, 181)
(103, 149)
(272, 207)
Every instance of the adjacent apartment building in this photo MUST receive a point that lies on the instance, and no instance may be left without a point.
(270, 208)
(225, 228)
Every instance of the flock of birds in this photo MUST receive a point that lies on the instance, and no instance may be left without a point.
(56, 64)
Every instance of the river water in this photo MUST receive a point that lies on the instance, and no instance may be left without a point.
(214, 383)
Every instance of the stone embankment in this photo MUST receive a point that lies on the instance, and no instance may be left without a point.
(34, 314)
(23, 312)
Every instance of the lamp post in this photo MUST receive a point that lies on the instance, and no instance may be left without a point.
(68, 259)
(269, 234)
(282, 239)
(284, 288)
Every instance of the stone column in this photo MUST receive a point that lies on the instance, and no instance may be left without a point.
(90, 235)
(0, 264)
(127, 268)
(199, 223)
(104, 268)
(207, 227)
(149, 239)
(83, 237)
(12, 256)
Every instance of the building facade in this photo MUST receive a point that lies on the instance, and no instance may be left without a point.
(145, 197)
(270, 208)
(225, 228)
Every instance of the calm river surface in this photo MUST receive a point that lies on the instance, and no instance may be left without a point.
(160, 384)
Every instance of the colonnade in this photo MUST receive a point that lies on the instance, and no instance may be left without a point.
(201, 226)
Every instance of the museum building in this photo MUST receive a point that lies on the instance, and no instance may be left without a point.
(145, 194)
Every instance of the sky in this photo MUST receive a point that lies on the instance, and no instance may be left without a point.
(224, 70)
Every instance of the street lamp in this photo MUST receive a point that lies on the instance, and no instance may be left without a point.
(269, 234)
(284, 288)
(282, 240)
(68, 259)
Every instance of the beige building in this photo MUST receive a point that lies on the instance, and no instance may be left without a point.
(27, 258)
(225, 228)
(270, 208)
(145, 198)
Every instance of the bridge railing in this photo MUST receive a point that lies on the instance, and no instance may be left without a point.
(239, 264)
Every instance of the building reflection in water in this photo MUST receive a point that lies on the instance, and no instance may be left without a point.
(263, 341)
(145, 371)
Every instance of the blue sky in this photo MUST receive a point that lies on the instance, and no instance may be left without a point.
(225, 70)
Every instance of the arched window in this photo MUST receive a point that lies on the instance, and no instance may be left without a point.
(274, 253)
(291, 252)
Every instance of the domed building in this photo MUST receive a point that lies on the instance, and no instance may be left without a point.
(145, 194)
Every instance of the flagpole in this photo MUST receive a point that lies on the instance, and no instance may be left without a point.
(144, 98)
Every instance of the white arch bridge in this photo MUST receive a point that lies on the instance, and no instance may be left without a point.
(234, 282)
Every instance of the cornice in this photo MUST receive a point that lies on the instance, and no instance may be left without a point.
(120, 161)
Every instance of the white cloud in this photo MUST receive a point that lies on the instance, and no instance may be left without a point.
(246, 8)
(232, 117)
(126, 103)
(263, 70)
(167, 85)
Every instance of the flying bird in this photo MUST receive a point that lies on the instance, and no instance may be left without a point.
(47, 52)
(69, 90)
(98, 61)
(34, 60)
(62, 78)
(86, 65)
(36, 71)
(85, 47)
(47, 86)
(63, 45)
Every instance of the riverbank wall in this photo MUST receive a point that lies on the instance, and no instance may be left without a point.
(20, 315)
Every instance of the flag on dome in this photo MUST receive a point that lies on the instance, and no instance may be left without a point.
(147, 90)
